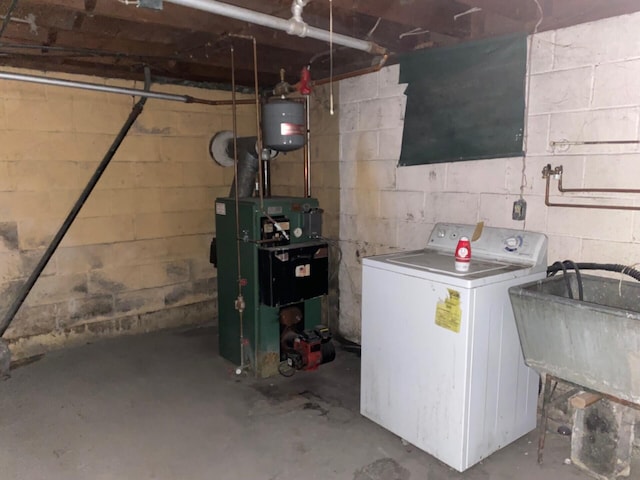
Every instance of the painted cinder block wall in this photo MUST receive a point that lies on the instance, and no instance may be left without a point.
(585, 85)
(137, 257)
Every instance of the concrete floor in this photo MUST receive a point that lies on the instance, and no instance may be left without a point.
(165, 406)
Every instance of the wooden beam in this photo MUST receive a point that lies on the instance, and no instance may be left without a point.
(486, 24)
(127, 37)
(584, 399)
(521, 10)
(114, 47)
(560, 14)
(172, 17)
(128, 68)
(433, 15)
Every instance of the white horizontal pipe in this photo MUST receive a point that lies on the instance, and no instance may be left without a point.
(277, 23)
(57, 82)
(92, 86)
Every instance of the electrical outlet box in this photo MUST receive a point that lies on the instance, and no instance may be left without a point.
(519, 210)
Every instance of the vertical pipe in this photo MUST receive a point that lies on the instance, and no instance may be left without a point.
(307, 149)
(234, 119)
(258, 129)
(64, 228)
(266, 164)
(260, 180)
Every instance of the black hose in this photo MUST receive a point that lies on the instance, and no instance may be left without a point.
(568, 264)
(609, 267)
(567, 280)
(561, 266)
(573, 265)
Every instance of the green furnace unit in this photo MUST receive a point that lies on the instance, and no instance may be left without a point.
(283, 276)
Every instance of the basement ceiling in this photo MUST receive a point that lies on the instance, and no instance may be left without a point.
(114, 38)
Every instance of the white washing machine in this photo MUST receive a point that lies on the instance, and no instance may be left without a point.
(442, 365)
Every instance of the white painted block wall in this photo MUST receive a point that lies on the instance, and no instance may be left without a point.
(585, 85)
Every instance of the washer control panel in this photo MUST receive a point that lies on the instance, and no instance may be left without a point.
(512, 244)
(504, 244)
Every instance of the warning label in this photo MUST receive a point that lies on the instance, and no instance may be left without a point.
(449, 313)
(303, 270)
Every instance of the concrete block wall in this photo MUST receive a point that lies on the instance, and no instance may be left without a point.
(585, 85)
(136, 258)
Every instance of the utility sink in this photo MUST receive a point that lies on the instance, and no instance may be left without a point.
(594, 342)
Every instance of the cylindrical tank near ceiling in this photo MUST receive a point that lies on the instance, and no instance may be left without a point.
(283, 125)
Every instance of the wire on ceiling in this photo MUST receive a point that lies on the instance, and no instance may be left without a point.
(28, 20)
(413, 31)
(466, 12)
(373, 29)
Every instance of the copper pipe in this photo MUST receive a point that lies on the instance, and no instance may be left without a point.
(256, 100)
(355, 73)
(594, 190)
(258, 129)
(220, 102)
(307, 150)
(547, 173)
(240, 300)
(260, 166)
(260, 177)
(561, 143)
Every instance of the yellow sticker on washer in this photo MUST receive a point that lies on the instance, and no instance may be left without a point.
(449, 313)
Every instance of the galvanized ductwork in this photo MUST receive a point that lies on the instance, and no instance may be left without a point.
(221, 149)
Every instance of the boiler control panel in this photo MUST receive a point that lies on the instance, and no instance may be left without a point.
(276, 228)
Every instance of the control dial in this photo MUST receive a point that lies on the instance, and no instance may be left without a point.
(511, 244)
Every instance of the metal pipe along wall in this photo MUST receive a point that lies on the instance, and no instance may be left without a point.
(57, 82)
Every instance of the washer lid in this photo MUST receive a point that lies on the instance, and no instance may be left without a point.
(444, 263)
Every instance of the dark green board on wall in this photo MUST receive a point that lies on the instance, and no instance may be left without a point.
(464, 102)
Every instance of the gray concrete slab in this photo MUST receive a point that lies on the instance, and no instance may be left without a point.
(165, 406)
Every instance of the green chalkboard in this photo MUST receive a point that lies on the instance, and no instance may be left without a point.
(464, 102)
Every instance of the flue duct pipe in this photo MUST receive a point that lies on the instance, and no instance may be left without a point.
(293, 26)
(57, 82)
